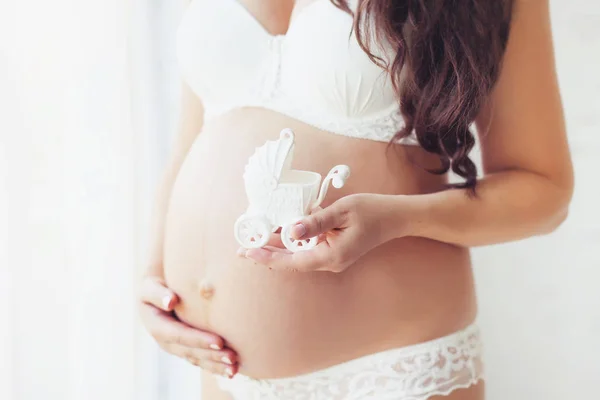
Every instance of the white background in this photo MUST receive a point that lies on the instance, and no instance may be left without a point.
(88, 101)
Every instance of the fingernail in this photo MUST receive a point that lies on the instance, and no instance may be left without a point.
(226, 360)
(241, 251)
(299, 230)
(214, 346)
(166, 301)
(229, 372)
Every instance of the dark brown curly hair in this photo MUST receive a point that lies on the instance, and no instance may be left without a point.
(451, 52)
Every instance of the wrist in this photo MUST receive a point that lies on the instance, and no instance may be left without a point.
(405, 215)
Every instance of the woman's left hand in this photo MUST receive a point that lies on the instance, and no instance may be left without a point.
(346, 229)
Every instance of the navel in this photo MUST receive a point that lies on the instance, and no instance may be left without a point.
(207, 289)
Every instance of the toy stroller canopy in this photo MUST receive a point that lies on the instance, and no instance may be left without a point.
(265, 166)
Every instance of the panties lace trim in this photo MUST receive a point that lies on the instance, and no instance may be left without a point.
(414, 372)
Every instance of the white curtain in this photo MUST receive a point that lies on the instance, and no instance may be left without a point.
(88, 101)
(83, 139)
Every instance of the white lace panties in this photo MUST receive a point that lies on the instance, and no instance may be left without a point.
(415, 372)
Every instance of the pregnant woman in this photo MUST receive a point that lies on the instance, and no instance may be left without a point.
(384, 306)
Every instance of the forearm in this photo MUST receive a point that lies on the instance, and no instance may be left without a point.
(509, 206)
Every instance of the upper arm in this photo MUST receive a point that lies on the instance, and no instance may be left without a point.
(190, 120)
(523, 127)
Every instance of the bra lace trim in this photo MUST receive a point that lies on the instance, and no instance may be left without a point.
(410, 373)
(381, 127)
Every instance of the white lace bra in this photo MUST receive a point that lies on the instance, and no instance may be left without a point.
(316, 73)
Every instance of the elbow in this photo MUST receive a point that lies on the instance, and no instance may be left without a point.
(561, 201)
(556, 221)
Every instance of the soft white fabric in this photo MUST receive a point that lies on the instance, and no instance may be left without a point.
(315, 73)
(81, 144)
(416, 372)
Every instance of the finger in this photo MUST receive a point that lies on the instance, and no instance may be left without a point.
(303, 261)
(228, 371)
(257, 258)
(226, 356)
(278, 249)
(274, 244)
(154, 292)
(167, 329)
(319, 222)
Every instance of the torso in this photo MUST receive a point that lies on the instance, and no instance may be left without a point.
(283, 324)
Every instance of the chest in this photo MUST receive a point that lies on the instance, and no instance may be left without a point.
(228, 56)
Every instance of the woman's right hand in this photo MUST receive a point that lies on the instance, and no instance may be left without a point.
(203, 349)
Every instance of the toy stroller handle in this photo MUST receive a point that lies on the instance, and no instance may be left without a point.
(337, 176)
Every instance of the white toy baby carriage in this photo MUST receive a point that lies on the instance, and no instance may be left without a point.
(279, 196)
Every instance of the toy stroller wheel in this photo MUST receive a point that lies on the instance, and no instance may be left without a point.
(296, 245)
(252, 232)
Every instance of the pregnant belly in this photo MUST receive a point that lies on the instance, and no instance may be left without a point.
(284, 323)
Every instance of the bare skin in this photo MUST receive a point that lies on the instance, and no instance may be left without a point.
(413, 287)
(311, 310)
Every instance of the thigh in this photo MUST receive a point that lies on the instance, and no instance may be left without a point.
(475, 392)
(211, 390)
